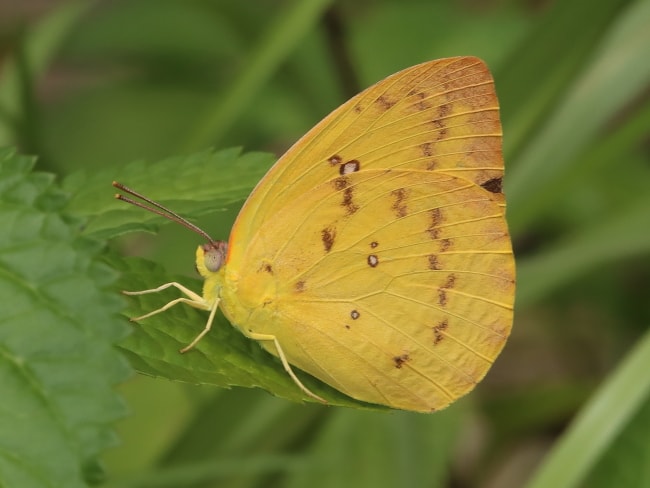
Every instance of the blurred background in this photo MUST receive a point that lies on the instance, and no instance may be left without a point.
(87, 85)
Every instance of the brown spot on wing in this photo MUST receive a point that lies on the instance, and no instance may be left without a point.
(433, 262)
(328, 235)
(422, 104)
(400, 360)
(445, 244)
(442, 291)
(335, 160)
(439, 122)
(443, 112)
(385, 102)
(347, 202)
(438, 331)
(493, 185)
(300, 286)
(340, 183)
(351, 166)
(435, 219)
(355, 314)
(399, 205)
(426, 149)
(374, 244)
(373, 261)
(451, 281)
(266, 267)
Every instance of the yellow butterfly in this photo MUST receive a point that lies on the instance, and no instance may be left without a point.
(375, 253)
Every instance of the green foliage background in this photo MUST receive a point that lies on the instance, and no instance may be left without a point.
(138, 90)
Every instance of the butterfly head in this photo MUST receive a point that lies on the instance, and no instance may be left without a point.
(211, 257)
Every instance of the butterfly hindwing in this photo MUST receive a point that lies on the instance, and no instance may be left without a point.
(394, 286)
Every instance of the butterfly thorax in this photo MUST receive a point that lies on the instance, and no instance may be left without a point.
(250, 305)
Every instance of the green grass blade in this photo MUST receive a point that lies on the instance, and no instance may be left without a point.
(272, 50)
(616, 77)
(598, 423)
(546, 63)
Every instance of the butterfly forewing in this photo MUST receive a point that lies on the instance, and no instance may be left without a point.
(438, 116)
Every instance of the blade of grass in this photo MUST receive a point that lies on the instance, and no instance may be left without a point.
(597, 158)
(273, 48)
(598, 423)
(542, 67)
(616, 77)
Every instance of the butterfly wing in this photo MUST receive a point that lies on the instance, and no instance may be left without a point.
(376, 250)
(441, 116)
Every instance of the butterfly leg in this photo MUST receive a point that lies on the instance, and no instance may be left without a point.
(205, 330)
(285, 363)
(193, 299)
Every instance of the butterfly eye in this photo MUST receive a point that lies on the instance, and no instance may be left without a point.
(215, 255)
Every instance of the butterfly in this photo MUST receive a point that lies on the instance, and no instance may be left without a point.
(375, 254)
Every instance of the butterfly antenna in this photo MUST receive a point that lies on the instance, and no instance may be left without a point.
(158, 209)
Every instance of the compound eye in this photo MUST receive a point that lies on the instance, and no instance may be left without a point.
(213, 258)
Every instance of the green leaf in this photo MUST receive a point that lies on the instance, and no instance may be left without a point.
(195, 185)
(58, 322)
